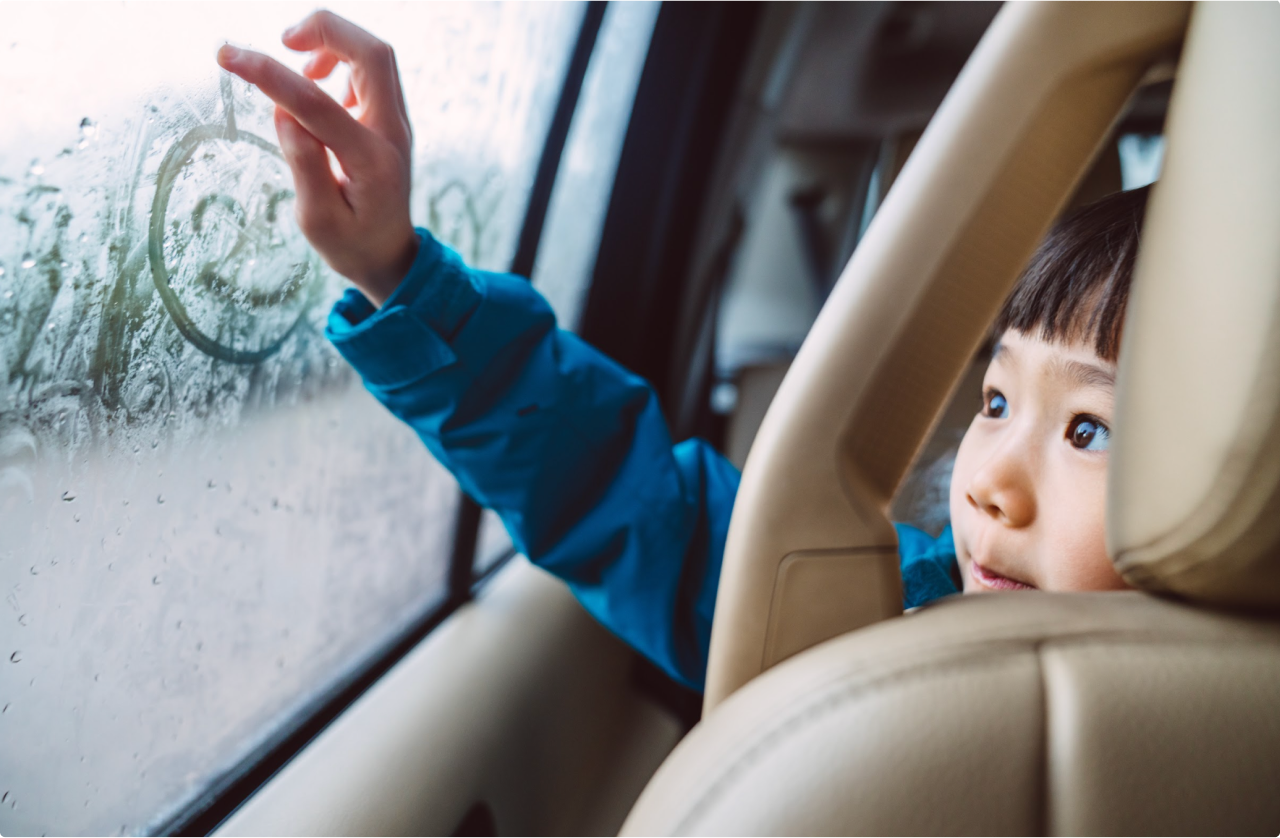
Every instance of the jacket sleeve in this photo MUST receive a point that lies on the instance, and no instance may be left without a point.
(570, 449)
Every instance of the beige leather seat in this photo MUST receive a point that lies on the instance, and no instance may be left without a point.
(1153, 711)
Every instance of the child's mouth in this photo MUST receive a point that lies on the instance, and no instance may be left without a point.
(991, 580)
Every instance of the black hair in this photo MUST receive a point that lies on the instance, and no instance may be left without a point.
(1077, 284)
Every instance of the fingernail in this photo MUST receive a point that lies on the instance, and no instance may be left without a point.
(228, 53)
(288, 33)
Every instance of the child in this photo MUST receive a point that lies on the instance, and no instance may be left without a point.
(572, 451)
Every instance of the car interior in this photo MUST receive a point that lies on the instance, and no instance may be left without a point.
(815, 214)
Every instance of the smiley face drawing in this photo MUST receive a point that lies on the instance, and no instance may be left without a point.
(230, 265)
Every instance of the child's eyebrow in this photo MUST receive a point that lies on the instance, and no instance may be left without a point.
(1086, 375)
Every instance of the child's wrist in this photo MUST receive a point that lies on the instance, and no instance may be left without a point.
(380, 283)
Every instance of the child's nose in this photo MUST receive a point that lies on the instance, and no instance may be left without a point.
(1002, 490)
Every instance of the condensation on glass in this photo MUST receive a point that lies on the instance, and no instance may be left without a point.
(204, 519)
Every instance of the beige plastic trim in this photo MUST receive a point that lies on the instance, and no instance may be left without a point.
(1194, 499)
(811, 553)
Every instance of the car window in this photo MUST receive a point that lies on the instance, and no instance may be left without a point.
(204, 518)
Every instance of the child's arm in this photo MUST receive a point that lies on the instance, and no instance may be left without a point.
(569, 448)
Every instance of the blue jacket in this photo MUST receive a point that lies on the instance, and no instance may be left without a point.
(570, 449)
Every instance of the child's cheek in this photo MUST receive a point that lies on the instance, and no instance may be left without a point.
(959, 506)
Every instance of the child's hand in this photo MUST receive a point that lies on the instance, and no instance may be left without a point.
(358, 222)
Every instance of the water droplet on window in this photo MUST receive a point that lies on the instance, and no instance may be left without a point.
(34, 572)
(22, 619)
(5, 709)
(76, 517)
(275, 503)
(15, 657)
(155, 580)
(111, 566)
(8, 295)
(97, 675)
(68, 496)
(155, 443)
(159, 498)
(4, 797)
(64, 265)
(36, 168)
(1, 271)
(213, 484)
(28, 262)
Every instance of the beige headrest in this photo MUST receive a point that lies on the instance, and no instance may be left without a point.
(1194, 498)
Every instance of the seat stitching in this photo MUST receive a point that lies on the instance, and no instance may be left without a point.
(1045, 763)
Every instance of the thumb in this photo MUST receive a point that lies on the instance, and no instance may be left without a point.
(321, 206)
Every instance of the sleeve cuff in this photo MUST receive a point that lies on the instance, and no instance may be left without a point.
(408, 336)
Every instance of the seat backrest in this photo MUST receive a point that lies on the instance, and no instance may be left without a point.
(1017, 713)
(811, 553)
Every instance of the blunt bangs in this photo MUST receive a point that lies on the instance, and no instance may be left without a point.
(1076, 287)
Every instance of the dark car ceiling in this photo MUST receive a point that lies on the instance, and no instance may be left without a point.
(874, 70)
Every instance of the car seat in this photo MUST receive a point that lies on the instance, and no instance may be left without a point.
(1150, 711)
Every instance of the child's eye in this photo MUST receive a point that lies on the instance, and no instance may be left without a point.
(994, 404)
(1088, 433)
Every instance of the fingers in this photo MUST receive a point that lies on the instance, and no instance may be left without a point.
(323, 118)
(321, 65)
(373, 68)
(342, 37)
(321, 206)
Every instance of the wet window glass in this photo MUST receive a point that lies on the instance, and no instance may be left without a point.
(205, 521)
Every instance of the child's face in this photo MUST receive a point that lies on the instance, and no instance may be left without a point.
(1028, 494)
